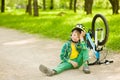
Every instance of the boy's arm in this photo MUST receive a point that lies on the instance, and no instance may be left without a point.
(82, 42)
(64, 54)
(83, 45)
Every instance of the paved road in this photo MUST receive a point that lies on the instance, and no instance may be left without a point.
(22, 53)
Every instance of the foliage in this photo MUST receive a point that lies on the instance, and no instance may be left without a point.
(53, 25)
(64, 4)
(101, 4)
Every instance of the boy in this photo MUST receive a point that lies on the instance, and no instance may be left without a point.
(74, 54)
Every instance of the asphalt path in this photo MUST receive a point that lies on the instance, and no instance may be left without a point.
(22, 53)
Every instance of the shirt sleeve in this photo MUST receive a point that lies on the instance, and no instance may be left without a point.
(64, 53)
(83, 45)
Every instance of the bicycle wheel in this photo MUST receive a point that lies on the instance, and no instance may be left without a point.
(93, 60)
(100, 25)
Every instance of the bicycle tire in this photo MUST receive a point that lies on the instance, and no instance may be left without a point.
(105, 25)
(92, 57)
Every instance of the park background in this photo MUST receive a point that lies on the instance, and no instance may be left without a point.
(56, 18)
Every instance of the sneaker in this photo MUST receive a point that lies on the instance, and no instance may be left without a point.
(86, 70)
(46, 70)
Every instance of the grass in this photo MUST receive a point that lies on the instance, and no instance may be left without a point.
(50, 24)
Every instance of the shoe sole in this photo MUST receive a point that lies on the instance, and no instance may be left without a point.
(45, 70)
(87, 72)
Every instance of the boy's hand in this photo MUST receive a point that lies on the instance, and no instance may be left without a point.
(82, 35)
(75, 64)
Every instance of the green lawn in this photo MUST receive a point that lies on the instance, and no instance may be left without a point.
(50, 24)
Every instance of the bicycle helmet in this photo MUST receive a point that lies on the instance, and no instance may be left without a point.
(79, 27)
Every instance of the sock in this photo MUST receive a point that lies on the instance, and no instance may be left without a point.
(85, 64)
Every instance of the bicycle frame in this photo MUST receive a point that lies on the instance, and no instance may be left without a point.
(93, 45)
(99, 32)
(97, 54)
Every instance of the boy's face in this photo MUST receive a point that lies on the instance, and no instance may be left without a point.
(75, 36)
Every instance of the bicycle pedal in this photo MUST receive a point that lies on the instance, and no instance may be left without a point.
(108, 62)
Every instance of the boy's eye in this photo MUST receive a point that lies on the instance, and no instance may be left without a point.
(74, 35)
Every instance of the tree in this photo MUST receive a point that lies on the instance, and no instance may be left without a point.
(2, 6)
(44, 4)
(115, 6)
(35, 8)
(88, 6)
(51, 4)
(70, 4)
(75, 1)
(29, 7)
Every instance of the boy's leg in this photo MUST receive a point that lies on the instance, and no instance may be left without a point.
(60, 68)
(82, 60)
(47, 71)
(85, 62)
(83, 57)
(63, 66)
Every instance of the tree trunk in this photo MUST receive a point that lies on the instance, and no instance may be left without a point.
(44, 5)
(35, 8)
(75, 1)
(88, 6)
(70, 4)
(51, 5)
(29, 7)
(2, 6)
(115, 6)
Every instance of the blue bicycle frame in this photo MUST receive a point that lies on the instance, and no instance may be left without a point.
(98, 32)
(97, 53)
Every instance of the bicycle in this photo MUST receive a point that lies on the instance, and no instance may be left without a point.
(96, 39)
